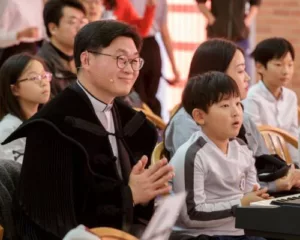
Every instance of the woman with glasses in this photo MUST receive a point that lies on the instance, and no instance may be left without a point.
(24, 86)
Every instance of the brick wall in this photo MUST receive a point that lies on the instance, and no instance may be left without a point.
(281, 18)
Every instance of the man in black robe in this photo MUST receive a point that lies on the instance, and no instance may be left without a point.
(86, 151)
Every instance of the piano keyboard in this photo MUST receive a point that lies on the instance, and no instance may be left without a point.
(268, 203)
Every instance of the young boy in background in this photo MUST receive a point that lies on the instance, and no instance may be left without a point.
(269, 102)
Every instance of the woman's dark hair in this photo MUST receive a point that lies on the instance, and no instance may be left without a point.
(213, 55)
(205, 89)
(10, 71)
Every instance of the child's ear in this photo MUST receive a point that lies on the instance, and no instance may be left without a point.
(198, 116)
(15, 90)
(260, 68)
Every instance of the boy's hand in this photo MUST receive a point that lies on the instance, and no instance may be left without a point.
(255, 196)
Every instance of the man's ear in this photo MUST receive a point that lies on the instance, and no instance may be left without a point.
(52, 28)
(84, 60)
(198, 116)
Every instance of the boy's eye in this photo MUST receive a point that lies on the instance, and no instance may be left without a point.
(225, 105)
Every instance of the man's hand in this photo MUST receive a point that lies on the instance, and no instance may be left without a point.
(255, 196)
(211, 19)
(31, 32)
(146, 184)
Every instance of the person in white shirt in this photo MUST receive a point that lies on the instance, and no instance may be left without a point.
(24, 85)
(215, 168)
(269, 102)
(21, 27)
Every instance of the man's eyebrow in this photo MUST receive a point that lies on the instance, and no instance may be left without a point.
(120, 50)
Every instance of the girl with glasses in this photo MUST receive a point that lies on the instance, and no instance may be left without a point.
(24, 86)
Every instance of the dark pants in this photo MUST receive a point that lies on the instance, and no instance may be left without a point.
(147, 83)
(22, 47)
(237, 238)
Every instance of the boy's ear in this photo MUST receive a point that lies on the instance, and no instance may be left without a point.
(260, 68)
(198, 116)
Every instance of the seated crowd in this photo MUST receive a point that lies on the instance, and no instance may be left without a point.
(84, 153)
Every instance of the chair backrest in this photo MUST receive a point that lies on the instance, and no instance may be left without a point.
(106, 233)
(174, 109)
(156, 120)
(157, 153)
(276, 140)
(1, 232)
(146, 108)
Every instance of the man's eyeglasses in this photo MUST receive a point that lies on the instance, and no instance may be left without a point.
(37, 78)
(122, 61)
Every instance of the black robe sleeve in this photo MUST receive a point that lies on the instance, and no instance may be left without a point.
(45, 192)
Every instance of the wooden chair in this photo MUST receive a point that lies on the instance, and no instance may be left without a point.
(156, 120)
(174, 109)
(106, 233)
(1, 232)
(157, 153)
(276, 140)
(146, 108)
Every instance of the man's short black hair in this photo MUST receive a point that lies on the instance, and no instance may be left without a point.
(53, 11)
(204, 90)
(99, 34)
(272, 48)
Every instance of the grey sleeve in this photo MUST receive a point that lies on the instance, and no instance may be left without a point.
(179, 131)
(257, 143)
(201, 213)
(270, 185)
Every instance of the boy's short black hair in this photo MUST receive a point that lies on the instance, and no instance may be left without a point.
(272, 48)
(99, 34)
(53, 11)
(204, 90)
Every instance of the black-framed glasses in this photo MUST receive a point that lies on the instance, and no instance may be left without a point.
(37, 78)
(122, 61)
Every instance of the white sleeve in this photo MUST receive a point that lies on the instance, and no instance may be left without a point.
(13, 151)
(7, 14)
(251, 175)
(252, 109)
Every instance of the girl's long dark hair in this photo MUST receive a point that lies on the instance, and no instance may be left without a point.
(10, 72)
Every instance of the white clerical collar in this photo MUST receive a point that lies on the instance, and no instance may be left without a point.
(98, 105)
